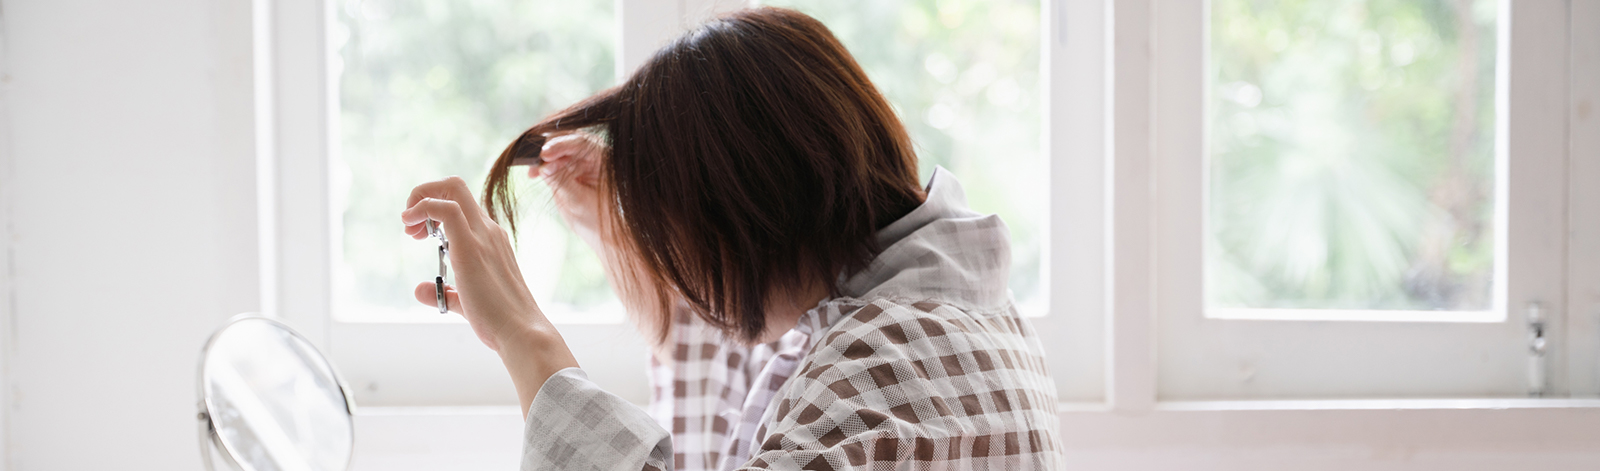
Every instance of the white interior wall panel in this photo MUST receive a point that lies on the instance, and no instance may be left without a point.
(133, 223)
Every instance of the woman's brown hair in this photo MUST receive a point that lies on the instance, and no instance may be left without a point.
(748, 159)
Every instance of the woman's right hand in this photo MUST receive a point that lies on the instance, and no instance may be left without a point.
(572, 169)
(489, 290)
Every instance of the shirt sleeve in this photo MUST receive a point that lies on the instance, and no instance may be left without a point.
(573, 424)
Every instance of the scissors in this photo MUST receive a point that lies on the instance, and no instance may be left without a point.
(444, 253)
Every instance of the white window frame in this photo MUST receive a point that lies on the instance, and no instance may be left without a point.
(7, 334)
(1101, 122)
(1261, 353)
(1138, 427)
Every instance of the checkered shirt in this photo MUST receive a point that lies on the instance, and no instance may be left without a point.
(924, 364)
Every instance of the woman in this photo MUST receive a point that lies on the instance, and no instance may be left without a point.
(813, 306)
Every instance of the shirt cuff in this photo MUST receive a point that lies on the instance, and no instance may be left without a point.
(573, 424)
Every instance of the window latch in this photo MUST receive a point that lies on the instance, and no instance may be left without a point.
(1537, 346)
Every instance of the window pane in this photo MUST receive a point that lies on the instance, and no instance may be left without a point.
(429, 89)
(1352, 154)
(964, 77)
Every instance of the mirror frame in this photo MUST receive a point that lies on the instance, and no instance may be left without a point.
(210, 440)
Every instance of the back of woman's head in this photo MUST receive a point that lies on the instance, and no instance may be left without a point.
(750, 159)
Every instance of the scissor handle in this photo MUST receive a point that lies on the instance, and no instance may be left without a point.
(444, 253)
(433, 229)
(438, 290)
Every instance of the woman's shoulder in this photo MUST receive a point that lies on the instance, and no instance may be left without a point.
(901, 380)
(925, 340)
(924, 322)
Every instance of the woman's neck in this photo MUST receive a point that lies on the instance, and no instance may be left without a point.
(787, 309)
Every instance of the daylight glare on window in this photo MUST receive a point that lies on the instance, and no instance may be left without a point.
(964, 77)
(1352, 154)
(428, 89)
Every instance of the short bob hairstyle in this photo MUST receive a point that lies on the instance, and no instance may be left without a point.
(748, 160)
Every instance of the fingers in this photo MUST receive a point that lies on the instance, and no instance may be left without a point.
(581, 174)
(568, 156)
(447, 212)
(417, 232)
(563, 146)
(555, 154)
(426, 295)
(452, 188)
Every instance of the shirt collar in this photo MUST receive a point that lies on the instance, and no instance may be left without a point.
(941, 251)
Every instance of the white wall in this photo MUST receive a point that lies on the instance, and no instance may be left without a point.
(7, 340)
(133, 221)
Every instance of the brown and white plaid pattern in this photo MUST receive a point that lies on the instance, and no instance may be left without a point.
(924, 365)
(702, 392)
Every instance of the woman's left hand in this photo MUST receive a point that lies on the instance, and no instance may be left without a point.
(489, 291)
(572, 169)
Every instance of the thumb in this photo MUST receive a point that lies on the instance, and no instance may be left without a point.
(425, 295)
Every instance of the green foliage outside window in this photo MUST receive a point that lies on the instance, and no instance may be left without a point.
(429, 89)
(964, 76)
(1351, 154)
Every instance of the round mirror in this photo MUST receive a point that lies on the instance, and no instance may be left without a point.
(270, 401)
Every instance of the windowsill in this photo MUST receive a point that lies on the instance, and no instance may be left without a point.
(1349, 404)
(490, 437)
(1381, 404)
(1355, 315)
(1170, 406)
(557, 314)
(438, 411)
